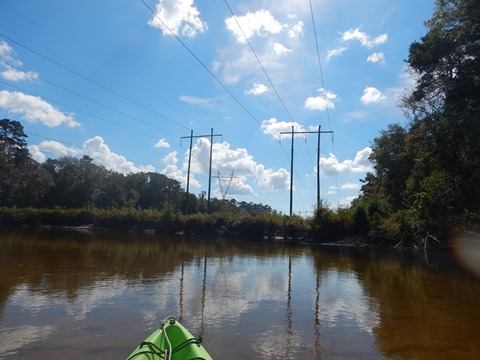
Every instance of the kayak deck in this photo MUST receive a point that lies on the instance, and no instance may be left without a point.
(170, 342)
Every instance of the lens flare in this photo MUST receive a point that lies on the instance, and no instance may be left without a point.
(466, 248)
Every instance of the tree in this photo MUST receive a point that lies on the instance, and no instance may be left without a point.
(445, 105)
(22, 180)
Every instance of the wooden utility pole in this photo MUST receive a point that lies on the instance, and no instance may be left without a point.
(209, 168)
(293, 132)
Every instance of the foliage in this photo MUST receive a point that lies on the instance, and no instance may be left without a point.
(427, 173)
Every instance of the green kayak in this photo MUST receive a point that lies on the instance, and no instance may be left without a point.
(170, 342)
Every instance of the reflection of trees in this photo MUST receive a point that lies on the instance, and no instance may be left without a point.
(68, 261)
(424, 314)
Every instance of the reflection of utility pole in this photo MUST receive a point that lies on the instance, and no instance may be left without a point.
(204, 294)
(289, 310)
(180, 303)
(317, 318)
(293, 132)
(209, 168)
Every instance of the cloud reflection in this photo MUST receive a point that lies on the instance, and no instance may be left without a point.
(13, 339)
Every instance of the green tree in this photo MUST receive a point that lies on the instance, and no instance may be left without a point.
(23, 182)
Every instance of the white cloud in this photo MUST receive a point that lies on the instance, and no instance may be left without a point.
(36, 153)
(34, 109)
(260, 23)
(363, 38)
(361, 164)
(335, 52)
(94, 148)
(371, 95)
(172, 171)
(102, 155)
(322, 102)
(377, 58)
(257, 89)
(180, 16)
(355, 115)
(346, 202)
(196, 100)
(225, 159)
(12, 74)
(56, 148)
(273, 127)
(295, 30)
(162, 143)
(350, 186)
(279, 49)
(273, 180)
(10, 64)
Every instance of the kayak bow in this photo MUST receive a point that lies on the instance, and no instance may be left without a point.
(170, 342)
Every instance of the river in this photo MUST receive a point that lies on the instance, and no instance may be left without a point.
(81, 295)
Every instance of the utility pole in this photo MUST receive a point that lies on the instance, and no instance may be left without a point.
(293, 132)
(209, 169)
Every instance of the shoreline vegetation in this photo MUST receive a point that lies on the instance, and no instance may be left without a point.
(260, 226)
(422, 189)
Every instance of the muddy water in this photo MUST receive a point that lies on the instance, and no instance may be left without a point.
(86, 296)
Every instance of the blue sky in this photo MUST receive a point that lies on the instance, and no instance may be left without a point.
(107, 79)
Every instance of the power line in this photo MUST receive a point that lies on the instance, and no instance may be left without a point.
(201, 63)
(91, 80)
(260, 63)
(320, 62)
(90, 114)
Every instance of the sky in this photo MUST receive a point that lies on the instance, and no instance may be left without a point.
(127, 82)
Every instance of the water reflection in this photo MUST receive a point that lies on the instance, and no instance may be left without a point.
(102, 294)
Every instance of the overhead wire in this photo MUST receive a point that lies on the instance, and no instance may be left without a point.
(77, 73)
(84, 112)
(323, 85)
(200, 62)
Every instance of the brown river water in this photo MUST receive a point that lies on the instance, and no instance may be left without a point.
(79, 295)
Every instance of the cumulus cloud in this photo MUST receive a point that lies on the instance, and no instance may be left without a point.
(180, 16)
(322, 102)
(363, 38)
(225, 159)
(162, 143)
(172, 170)
(34, 109)
(279, 49)
(257, 89)
(361, 164)
(273, 127)
(295, 30)
(94, 148)
(260, 23)
(377, 58)
(9, 65)
(102, 155)
(350, 186)
(371, 95)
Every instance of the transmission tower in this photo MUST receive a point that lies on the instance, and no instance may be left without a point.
(230, 178)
